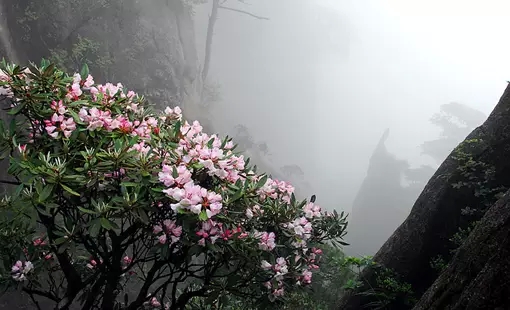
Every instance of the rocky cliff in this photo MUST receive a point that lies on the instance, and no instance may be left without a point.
(470, 179)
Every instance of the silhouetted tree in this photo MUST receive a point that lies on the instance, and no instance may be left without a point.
(456, 121)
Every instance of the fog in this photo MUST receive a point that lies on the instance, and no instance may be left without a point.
(327, 77)
(334, 95)
(320, 80)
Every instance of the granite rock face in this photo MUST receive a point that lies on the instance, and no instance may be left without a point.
(436, 217)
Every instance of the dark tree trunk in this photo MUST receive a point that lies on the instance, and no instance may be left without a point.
(478, 277)
(436, 215)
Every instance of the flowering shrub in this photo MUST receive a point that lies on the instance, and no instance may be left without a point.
(142, 209)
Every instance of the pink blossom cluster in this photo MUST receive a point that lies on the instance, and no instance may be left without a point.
(92, 264)
(195, 198)
(212, 231)
(20, 270)
(312, 210)
(98, 119)
(58, 122)
(156, 304)
(275, 189)
(306, 277)
(168, 232)
(279, 269)
(209, 231)
(40, 242)
(301, 227)
(266, 240)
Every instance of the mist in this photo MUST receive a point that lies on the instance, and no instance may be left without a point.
(328, 93)
(328, 77)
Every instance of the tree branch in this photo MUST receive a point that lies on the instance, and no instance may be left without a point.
(243, 12)
(9, 182)
(208, 40)
(32, 292)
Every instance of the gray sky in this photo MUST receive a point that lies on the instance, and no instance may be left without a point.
(322, 79)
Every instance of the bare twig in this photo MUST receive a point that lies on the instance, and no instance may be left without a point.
(244, 12)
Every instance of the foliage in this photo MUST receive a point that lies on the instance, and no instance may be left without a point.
(478, 177)
(456, 122)
(329, 283)
(141, 209)
(438, 263)
(84, 51)
(191, 4)
(322, 294)
(389, 288)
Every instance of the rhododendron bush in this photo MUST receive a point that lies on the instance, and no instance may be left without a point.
(136, 209)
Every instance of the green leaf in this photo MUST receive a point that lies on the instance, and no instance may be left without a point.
(203, 216)
(46, 192)
(19, 189)
(17, 109)
(210, 142)
(69, 190)
(236, 196)
(51, 205)
(175, 174)
(43, 211)
(106, 224)
(292, 199)
(84, 71)
(60, 240)
(261, 182)
(87, 211)
(165, 251)
(12, 127)
(118, 145)
(177, 128)
(94, 228)
(143, 216)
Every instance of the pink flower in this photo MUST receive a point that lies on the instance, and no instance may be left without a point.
(156, 229)
(126, 260)
(75, 91)
(59, 107)
(280, 267)
(57, 124)
(266, 265)
(155, 303)
(92, 264)
(301, 227)
(170, 230)
(307, 277)
(249, 213)
(311, 210)
(89, 81)
(278, 292)
(39, 242)
(166, 175)
(20, 269)
(267, 240)
(194, 198)
(210, 230)
(162, 239)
